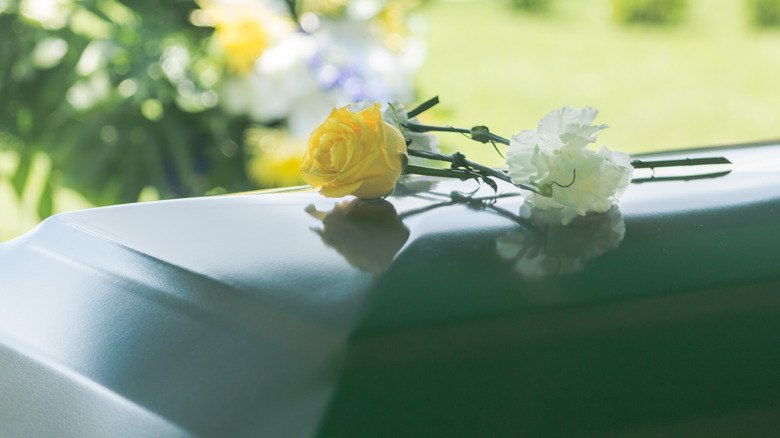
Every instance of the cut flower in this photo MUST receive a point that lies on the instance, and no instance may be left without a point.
(552, 164)
(555, 158)
(354, 154)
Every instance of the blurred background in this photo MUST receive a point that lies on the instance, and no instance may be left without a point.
(115, 101)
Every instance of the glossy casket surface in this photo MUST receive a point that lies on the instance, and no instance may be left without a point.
(430, 314)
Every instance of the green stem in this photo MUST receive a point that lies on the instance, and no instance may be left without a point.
(482, 134)
(452, 159)
(652, 164)
(416, 127)
(425, 106)
(478, 133)
(432, 171)
(460, 160)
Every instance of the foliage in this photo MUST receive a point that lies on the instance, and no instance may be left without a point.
(765, 13)
(532, 5)
(118, 95)
(131, 100)
(649, 11)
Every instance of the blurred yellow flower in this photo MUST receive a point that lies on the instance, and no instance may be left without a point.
(243, 30)
(392, 21)
(244, 40)
(277, 158)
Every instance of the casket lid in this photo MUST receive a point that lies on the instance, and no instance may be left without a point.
(442, 311)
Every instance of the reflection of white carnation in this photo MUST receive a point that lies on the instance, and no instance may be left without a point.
(556, 157)
(546, 247)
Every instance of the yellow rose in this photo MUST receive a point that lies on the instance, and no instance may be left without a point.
(354, 154)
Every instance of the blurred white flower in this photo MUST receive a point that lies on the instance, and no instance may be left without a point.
(50, 14)
(352, 59)
(93, 58)
(49, 52)
(282, 86)
(364, 9)
(339, 55)
(87, 92)
(556, 159)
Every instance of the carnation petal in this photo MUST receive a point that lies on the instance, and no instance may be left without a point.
(556, 155)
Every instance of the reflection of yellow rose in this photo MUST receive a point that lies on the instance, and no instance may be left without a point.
(368, 234)
(354, 154)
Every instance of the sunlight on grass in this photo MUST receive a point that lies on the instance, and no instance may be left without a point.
(710, 80)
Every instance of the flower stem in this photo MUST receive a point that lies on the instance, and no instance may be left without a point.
(432, 171)
(478, 133)
(482, 134)
(652, 164)
(459, 160)
(416, 127)
(425, 106)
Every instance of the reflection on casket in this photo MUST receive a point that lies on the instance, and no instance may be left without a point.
(280, 315)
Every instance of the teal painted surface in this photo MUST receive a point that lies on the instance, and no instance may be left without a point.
(676, 332)
(295, 315)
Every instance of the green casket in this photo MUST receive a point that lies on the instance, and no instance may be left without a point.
(439, 312)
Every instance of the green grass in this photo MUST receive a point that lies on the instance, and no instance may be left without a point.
(710, 80)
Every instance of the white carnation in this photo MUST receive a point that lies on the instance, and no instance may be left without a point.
(556, 158)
